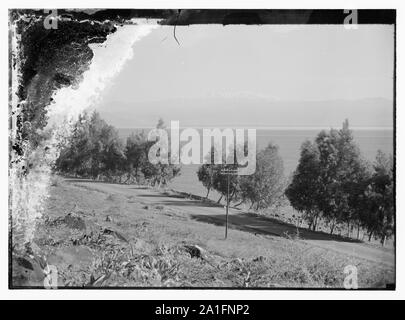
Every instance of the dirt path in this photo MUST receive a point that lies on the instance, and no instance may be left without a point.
(211, 213)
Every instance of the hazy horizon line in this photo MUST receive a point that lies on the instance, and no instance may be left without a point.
(253, 96)
(382, 128)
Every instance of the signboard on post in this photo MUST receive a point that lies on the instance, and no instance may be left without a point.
(228, 172)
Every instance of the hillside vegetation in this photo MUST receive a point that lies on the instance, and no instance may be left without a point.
(102, 239)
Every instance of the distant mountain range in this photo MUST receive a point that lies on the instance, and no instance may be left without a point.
(249, 111)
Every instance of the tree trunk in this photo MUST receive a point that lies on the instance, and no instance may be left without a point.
(358, 230)
(232, 195)
(136, 172)
(333, 227)
(128, 178)
(315, 222)
(310, 225)
(220, 198)
(383, 240)
(208, 192)
(238, 204)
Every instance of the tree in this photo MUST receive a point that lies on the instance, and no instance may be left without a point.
(136, 149)
(261, 190)
(75, 157)
(112, 155)
(303, 191)
(212, 177)
(265, 187)
(206, 176)
(93, 149)
(341, 169)
(330, 179)
(220, 183)
(159, 174)
(205, 172)
(329, 188)
(380, 220)
(358, 200)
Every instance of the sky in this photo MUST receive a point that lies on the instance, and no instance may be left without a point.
(217, 70)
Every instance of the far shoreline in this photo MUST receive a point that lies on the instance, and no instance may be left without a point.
(273, 128)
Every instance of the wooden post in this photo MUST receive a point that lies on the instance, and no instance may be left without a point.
(227, 209)
(228, 172)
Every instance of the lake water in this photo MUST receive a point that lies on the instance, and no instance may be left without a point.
(289, 142)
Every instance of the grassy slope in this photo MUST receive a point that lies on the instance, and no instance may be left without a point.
(128, 243)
